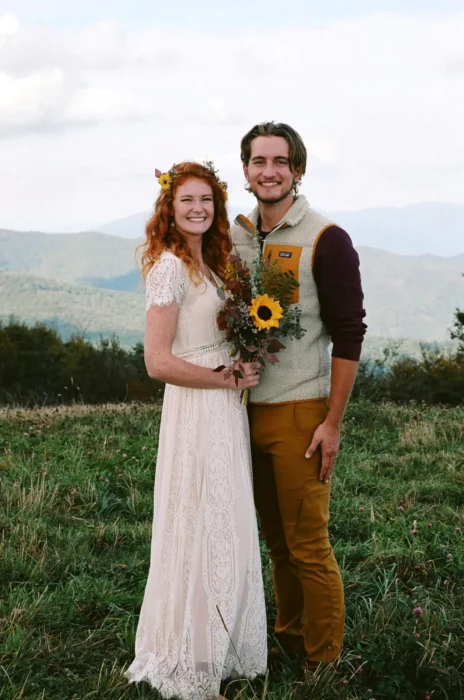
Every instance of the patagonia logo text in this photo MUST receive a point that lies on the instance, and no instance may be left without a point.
(285, 254)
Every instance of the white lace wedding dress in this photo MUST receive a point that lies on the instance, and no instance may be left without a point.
(205, 559)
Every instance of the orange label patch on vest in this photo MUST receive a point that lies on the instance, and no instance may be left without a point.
(288, 257)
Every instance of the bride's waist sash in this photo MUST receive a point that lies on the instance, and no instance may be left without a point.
(202, 350)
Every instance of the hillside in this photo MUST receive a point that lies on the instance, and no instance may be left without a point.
(72, 308)
(66, 257)
(405, 296)
(411, 297)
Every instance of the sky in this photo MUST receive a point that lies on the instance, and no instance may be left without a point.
(95, 95)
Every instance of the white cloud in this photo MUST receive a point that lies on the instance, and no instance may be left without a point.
(8, 24)
(378, 101)
(39, 99)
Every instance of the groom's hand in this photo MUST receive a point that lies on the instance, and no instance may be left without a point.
(327, 435)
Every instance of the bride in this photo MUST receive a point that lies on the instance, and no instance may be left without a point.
(203, 615)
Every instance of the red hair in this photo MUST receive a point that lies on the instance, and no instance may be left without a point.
(162, 234)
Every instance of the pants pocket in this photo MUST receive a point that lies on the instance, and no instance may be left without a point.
(308, 415)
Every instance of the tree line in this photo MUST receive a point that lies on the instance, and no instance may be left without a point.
(38, 367)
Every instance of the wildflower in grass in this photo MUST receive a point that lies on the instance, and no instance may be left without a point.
(449, 556)
(414, 532)
(361, 510)
(144, 449)
(124, 456)
(418, 612)
(401, 509)
(446, 582)
(458, 530)
(26, 434)
(429, 525)
(417, 635)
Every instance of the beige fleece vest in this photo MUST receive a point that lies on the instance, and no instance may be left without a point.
(303, 370)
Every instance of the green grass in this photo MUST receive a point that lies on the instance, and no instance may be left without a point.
(75, 522)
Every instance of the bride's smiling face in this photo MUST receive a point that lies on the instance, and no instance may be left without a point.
(193, 207)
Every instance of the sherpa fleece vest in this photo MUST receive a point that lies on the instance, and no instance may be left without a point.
(303, 370)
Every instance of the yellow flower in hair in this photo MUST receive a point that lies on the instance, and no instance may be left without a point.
(266, 312)
(165, 181)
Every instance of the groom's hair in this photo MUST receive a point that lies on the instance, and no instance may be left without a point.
(296, 148)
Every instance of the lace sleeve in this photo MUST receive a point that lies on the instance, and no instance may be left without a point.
(166, 282)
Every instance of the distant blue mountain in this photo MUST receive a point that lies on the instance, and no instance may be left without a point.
(435, 228)
(130, 282)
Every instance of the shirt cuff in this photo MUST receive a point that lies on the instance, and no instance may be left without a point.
(347, 350)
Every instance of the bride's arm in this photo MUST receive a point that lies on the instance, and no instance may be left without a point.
(161, 324)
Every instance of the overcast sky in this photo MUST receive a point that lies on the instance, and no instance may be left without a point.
(96, 94)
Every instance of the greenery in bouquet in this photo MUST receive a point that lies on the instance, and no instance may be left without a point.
(257, 312)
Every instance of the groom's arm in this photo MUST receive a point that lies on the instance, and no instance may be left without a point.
(339, 288)
(338, 280)
(342, 381)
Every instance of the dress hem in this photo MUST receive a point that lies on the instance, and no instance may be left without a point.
(157, 683)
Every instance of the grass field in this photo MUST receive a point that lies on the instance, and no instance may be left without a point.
(75, 522)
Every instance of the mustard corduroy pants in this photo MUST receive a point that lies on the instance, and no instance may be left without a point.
(293, 508)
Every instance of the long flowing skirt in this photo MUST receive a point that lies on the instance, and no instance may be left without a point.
(203, 615)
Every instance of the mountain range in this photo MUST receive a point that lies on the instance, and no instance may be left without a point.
(89, 282)
(428, 227)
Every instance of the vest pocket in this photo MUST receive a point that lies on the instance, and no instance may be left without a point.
(288, 257)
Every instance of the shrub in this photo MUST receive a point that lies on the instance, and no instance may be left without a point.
(37, 367)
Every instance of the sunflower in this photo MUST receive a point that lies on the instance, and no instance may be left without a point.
(266, 312)
(165, 181)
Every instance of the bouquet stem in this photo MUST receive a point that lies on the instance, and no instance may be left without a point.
(245, 397)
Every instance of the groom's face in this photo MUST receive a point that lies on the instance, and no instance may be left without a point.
(268, 171)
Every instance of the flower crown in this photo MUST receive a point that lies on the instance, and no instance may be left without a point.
(165, 179)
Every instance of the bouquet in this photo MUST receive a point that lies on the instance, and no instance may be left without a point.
(257, 312)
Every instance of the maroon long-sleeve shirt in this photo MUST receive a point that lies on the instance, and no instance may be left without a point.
(338, 281)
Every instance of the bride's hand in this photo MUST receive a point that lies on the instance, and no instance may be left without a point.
(250, 372)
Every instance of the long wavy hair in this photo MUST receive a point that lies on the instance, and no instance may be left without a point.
(162, 234)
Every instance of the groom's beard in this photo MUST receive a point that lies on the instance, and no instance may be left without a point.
(275, 200)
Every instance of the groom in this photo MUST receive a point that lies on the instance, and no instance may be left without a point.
(297, 409)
